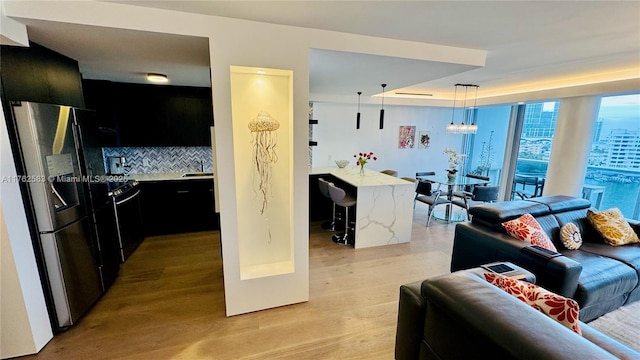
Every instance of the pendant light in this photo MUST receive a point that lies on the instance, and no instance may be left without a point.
(453, 128)
(467, 125)
(358, 117)
(473, 128)
(382, 109)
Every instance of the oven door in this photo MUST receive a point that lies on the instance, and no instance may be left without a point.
(129, 222)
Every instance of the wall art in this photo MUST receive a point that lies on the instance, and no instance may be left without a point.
(407, 137)
(424, 139)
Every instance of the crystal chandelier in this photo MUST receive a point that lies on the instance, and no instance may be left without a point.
(467, 126)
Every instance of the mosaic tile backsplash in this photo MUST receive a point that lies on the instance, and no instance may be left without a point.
(145, 160)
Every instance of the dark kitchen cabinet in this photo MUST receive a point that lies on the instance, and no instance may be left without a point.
(152, 115)
(320, 207)
(38, 74)
(178, 206)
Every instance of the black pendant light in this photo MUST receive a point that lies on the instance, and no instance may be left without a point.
(358, 117)
(382, 109)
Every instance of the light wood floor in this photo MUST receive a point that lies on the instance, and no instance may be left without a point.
(168, 303)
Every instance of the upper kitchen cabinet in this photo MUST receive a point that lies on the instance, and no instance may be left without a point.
(38, 74)
(152, 115)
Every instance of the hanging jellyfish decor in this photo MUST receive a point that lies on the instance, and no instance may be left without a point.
(264, 141)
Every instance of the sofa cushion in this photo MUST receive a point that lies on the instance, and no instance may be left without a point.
(562, 309)
(570, 236)
(604, 283)
(628, 254)
(527, 229)
(613, 227)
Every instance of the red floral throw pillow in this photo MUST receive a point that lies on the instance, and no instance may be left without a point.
(527, 229)
(563, 310)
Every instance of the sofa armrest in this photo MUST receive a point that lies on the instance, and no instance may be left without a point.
(466, 317)
(475, 245)
(411, 312)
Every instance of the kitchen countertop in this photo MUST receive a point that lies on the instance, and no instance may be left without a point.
(167, 176)
(352, 176)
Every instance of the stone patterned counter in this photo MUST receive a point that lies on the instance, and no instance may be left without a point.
(384, 208)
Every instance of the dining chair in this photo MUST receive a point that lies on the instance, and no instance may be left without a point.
(469, 188)
(527, 180)
(479, 195)
(390, 172)
(425, 194)
(425, 173)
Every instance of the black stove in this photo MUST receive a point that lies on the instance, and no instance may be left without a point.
(121, 188)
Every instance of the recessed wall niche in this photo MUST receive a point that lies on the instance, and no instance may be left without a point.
(262, 117)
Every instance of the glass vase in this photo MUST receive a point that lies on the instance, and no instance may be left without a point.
(361, 170)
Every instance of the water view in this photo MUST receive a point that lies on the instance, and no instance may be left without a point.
(621, 187)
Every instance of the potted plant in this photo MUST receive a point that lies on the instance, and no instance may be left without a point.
(455, 160)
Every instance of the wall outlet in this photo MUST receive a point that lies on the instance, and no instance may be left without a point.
(146, 162)
(330, 157)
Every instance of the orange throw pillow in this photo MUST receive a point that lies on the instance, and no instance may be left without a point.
(527, 229)
(562, 309)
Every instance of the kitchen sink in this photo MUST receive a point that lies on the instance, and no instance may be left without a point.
(193, 174)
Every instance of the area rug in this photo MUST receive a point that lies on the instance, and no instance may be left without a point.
(621, 324)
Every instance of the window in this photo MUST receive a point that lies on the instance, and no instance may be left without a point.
(535, 148)
(613, 171)
(485, 149)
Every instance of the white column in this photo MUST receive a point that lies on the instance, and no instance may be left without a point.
(24, 323)
(571, 145)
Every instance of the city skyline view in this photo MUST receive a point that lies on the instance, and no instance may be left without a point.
(614, 161)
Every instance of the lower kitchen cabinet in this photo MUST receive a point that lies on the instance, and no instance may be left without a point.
(178, 206)
(320, 207)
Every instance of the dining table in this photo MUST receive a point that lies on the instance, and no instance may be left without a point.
(452, 183)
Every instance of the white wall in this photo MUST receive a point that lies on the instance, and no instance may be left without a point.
(338, 138)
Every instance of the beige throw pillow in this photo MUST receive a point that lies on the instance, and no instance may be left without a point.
(613, 227)
(570, 236)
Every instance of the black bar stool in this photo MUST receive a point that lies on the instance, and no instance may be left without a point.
(341, 198)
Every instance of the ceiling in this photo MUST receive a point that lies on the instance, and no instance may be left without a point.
(530, 45)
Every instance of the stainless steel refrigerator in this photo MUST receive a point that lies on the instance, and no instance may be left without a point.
(56, 172)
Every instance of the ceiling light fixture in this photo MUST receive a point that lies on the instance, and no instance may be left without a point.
(382, 109)
(261, 72)
(468, 125)
(358, 117)
(157, 78)
(412, 94)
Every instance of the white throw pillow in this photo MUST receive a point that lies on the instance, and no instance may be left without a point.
(570, 236)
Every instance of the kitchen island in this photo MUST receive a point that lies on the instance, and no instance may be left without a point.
(384, 208)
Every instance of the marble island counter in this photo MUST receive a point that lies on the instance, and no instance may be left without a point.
(384, 208)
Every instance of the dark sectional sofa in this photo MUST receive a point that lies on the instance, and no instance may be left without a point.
(462, 316)
(600, 277)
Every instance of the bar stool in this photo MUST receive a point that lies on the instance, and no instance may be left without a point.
(341, 198)
(323, 185)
